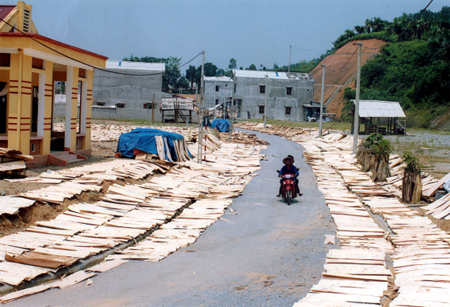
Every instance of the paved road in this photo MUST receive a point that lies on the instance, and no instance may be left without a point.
(264, 254)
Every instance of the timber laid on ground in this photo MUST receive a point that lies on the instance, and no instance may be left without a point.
(389, 254)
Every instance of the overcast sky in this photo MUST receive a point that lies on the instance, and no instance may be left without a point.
(251, 31)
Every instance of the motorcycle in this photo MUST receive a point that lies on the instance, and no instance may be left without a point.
(288, 191)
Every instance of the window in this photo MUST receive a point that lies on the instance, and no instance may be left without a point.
(148, 105)
(235, 87)
(82, 73)
(217, 101)
(287, 111)
(120, 105)
(261, 109)
(217, 88)
(289, 91)
(37, 63)
(262, 89)
(5, 58)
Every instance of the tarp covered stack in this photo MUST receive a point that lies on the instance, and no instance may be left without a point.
(166, 145)
(222, 125)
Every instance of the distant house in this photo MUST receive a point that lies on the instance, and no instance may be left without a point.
(286, 94)
(122, 89)
(218, 91)
(28, 74)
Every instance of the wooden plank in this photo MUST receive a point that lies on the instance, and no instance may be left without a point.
(106, 265)
(13, 165)
(160, 147)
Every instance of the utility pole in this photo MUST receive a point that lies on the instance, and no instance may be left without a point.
(231, 113)
(200, 121)
(290, 51)
(265, 103)
(153, 109)
(356, 114)
(321, 101)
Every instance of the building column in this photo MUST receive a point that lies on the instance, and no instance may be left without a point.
(48, 98)
(70, 136)
(14, 101)
(88, 114)
(24, 120)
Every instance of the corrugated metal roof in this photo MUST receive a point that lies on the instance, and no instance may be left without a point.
(220, 79)
(136, 65)
(378, 108)
(5, 10)
(272, 74)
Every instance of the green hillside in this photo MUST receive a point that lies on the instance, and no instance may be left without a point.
(413, 68)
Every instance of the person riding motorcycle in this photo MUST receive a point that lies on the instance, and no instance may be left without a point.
(288, 168)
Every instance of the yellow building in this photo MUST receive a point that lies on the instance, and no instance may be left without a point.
(30, 66)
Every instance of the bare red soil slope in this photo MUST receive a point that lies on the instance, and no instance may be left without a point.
(340, 72)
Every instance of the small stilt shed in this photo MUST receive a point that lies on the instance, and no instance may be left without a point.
(385, 117)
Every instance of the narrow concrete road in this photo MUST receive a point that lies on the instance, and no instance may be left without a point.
(264, 253)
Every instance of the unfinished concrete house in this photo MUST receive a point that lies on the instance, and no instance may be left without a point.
(129, 93)
(286, 93)
(218, 91)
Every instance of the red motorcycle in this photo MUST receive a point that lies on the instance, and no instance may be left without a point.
(288, 190)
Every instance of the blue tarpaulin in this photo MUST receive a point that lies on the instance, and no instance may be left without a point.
(143, 139)
(222, 125)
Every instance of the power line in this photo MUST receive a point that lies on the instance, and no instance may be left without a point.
(426, 7)
(89, 65)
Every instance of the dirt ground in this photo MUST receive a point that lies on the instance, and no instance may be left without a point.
(432, 149)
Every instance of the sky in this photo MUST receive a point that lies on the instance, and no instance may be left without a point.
(251, 31)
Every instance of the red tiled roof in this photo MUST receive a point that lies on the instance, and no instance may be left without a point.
(5, 10)
(49, 40)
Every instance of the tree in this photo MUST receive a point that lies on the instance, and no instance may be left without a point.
(359, 29)
(252, 67)
(232, 64)
(171, 75)
(210, 69)
(190, 74)
(220, 72)
(183, 83)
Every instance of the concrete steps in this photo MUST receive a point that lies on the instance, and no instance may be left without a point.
(64, 157)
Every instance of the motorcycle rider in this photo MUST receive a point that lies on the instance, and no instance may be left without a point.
(288, 168)
(296, 180)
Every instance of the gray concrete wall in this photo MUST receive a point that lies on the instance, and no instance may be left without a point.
(122, 113)
(248, 90)
(103, 79)
(134, 91)
(225, 91)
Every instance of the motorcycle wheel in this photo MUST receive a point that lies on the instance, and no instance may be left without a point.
(288, 197)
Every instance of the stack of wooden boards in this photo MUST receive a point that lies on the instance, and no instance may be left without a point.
(171, 211)
(14, 154)
(440, 208)
(418, 249)
(12, 163)
(356, 274)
